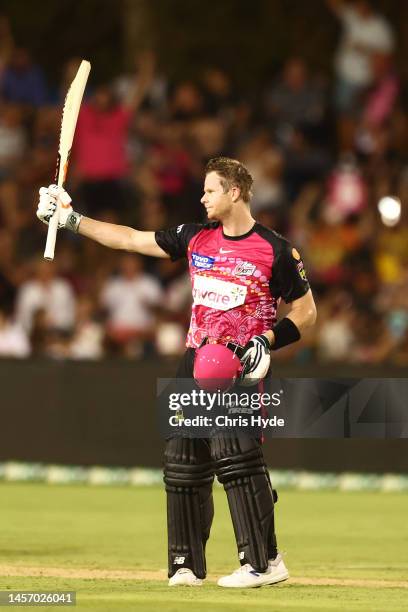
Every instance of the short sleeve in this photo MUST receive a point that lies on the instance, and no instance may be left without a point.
(175, 241)
(289, 280)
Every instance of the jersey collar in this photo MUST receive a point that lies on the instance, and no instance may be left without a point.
(242, 237)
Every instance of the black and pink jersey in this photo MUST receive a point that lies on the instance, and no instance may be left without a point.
(237, 281)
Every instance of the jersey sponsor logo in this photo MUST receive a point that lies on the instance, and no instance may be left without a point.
(301, 270)
(217, 294)
(202, 261)
(244, 268)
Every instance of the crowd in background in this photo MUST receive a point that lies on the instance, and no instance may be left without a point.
(322, 149)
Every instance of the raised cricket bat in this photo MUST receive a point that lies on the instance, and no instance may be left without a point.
(70, 114)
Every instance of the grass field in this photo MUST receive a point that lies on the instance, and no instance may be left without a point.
(345, 551)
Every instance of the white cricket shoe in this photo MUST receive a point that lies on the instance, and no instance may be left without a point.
(246, 577)
(277, 570)
(185, 577)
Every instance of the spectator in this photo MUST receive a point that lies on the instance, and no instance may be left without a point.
(400, 355)
(12, 139)
(45, 291)
(381, 99)
(373, 341)
(87, 338)
(364, 32)
(9, 275)
(13, 339)
(295, 101)
(186, 102)
(265, 163)
(40, 334)
(6, 43)
(372, 134)
(23, 81)
(152, 215)
(335, 335)
(302, 189)
(347, 192)
(218, 95)
(156, 96)
(129, 299)
(168, 166)
(208, 136)
(100, 151)
(391, 253)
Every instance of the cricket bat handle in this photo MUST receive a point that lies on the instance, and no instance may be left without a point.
(51, 236)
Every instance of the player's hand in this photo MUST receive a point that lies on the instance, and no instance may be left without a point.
(256, 360)
(47, 205)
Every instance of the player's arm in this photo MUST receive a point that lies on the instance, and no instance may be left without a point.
(120, 237)
(108, 234)
(301, 315)
(289, 282)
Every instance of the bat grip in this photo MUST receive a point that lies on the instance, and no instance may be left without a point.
(51, 236)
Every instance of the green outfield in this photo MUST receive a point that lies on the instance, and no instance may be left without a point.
(345, 551)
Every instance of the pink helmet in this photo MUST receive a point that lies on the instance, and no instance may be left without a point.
(216, 367)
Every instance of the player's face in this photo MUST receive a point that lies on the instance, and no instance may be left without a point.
(217, 203)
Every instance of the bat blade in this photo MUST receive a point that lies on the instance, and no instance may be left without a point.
(70, 114)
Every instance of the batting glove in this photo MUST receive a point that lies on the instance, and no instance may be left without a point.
(256, 360)
(49, 196)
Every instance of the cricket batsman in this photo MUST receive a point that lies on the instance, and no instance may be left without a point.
(239, 272)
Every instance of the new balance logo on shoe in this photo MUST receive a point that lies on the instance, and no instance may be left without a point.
(179, 560)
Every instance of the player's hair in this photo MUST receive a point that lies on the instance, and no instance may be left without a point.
(232, 174)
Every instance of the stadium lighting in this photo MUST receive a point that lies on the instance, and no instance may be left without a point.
(390, 210)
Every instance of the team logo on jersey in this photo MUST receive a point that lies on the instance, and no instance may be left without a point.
(244, 268)
(202, 261)
(217, 294)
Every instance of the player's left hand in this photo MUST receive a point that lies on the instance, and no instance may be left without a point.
(256, 360)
